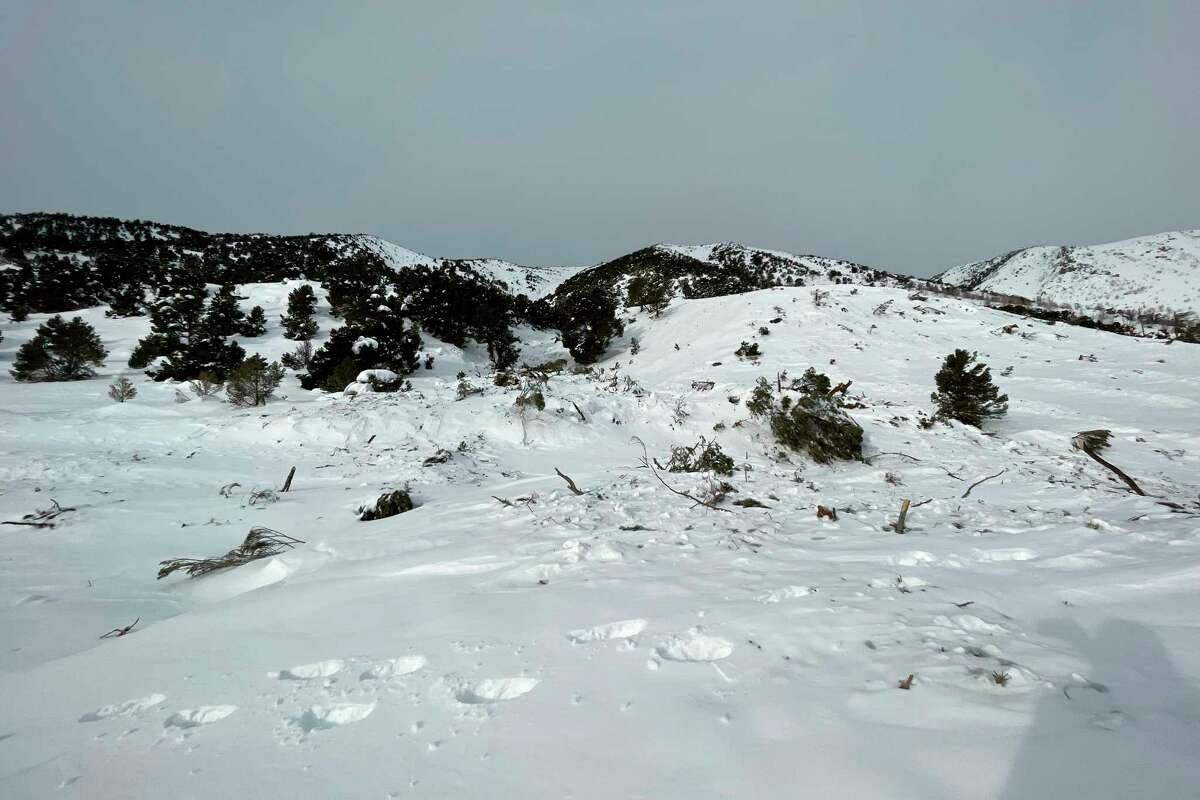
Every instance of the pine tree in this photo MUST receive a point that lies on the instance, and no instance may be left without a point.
(255, 323)
(299, 322)
(965, 391)
(60, 351)
(252, 382)
(588, 321)
(122, 389)
(224, 318)
(127, 301)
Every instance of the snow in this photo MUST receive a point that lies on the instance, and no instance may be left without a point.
(619, 643)
(1155, 273)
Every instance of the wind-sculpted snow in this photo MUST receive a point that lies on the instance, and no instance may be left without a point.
(510, 638)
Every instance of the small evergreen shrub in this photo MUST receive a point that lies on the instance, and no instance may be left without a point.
(965, 391)
(813, 422)
(703, 456)
(122, 389)
(748, 350)
(389, 504)
(253, 382)
(60, 351)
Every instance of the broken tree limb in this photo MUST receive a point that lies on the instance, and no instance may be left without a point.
(579, 411)
(118, 632)
(984, 480)
(42, 518)
(1091, 442)
(287, 484)
(570, 483)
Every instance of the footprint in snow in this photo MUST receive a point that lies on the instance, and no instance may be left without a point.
(393, 668)
(494, 690)
(128, 708)
(317, 718)
(623, 629)
(695, 648)
(195, 717)
(308, 672)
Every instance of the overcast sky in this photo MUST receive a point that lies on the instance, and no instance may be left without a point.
(911, 136)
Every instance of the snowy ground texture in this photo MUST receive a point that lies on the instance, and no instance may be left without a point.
(621, 643)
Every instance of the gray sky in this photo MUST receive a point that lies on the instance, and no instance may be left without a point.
(911, 135)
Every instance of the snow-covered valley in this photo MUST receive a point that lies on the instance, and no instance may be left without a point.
(511, 639)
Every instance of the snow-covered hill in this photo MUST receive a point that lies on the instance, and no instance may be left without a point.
(1157, 274)
(511, 639)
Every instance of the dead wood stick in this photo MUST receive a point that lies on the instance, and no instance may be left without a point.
(899, 526)
(876, 455)
(579, 411)
(288, 483)
(502, 501)
(982, 480)
(570, 483)
(29, 524)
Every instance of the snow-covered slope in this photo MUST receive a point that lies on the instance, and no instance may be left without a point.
(623, 642)
(533, 282)
(1159, 273)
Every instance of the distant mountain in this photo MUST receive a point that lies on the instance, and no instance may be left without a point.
(711, 270)
(1158, 273)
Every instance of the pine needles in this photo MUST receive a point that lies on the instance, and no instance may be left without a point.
(259, 543)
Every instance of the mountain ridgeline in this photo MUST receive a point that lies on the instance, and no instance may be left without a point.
(385, 295)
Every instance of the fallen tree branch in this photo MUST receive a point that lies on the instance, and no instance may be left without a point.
(984, 480)
(118, 632)
(579, 411)
(570, 483)
(1090, 442)
(42, 517)
(876, 455)
(259, 543)
(645, 461)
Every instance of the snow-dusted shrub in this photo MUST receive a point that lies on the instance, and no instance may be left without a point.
(299, 358)
(813, 421)
(703, 456)
(748, 350)
(389, 504)
(205, 385)
(253, 382)
(122, 389)
(965, 391)
(255, 323)
(59, 351)
(465, 389)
